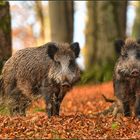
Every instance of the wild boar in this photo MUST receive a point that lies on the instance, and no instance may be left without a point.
(126, 79)
(49, 70)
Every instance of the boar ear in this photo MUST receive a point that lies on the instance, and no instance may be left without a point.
(52, 49)
(119, 43)
(76, 48)
(138, 40)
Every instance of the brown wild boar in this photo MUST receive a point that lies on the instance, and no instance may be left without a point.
(49, 70)
(127, 77)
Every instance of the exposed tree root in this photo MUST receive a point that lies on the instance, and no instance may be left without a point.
(108, 99)
(114, 109)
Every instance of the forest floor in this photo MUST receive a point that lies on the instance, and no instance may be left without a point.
(76, 120)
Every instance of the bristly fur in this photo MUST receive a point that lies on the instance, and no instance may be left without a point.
(126, 78)
(130, 43)
(43, 70)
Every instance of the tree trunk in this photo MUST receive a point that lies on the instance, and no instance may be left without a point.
(5, 32)
(61, 20)
(106, 22)
(40, 16)
(119, 14)
(136, 26)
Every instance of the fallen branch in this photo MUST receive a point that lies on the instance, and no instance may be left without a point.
(108, 99)
(114, 109)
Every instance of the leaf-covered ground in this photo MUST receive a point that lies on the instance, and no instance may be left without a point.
(76, 120)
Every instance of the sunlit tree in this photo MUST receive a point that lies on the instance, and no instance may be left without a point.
(106, 22)
(40, 17)
(136, 27)
(61, 20)
(5, 32)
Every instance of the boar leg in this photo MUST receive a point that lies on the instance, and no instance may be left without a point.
(137, 106)
(47, 93)
(126, 108)
(49, 104)
(56, 102)
(52, 104)
(57, 109)
(18, 103)
(122, 94)
(59, 100)
(57, 106)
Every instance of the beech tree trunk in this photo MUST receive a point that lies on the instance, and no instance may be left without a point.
(5, 32)
(61, 20)
(106, 22)
(136, 26)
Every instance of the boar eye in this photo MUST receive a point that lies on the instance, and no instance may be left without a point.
(57, 62)
(72, 64)
(138, 55)
(125, 55)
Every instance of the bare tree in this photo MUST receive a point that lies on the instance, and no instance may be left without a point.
(5, 32)
(136, 27)
(106, 22)
(61, 20)
(40, 16)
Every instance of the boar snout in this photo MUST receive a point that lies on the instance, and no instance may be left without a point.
(135, 73)
(66, 84)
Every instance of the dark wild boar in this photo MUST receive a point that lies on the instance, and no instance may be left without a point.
(127, 77)
(49, 70)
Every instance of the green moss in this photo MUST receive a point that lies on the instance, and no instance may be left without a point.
(5, 23)
(55, 134)
(2, 3)
(98, 73)
(38, 109)
(114, 125)
(4, 110)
